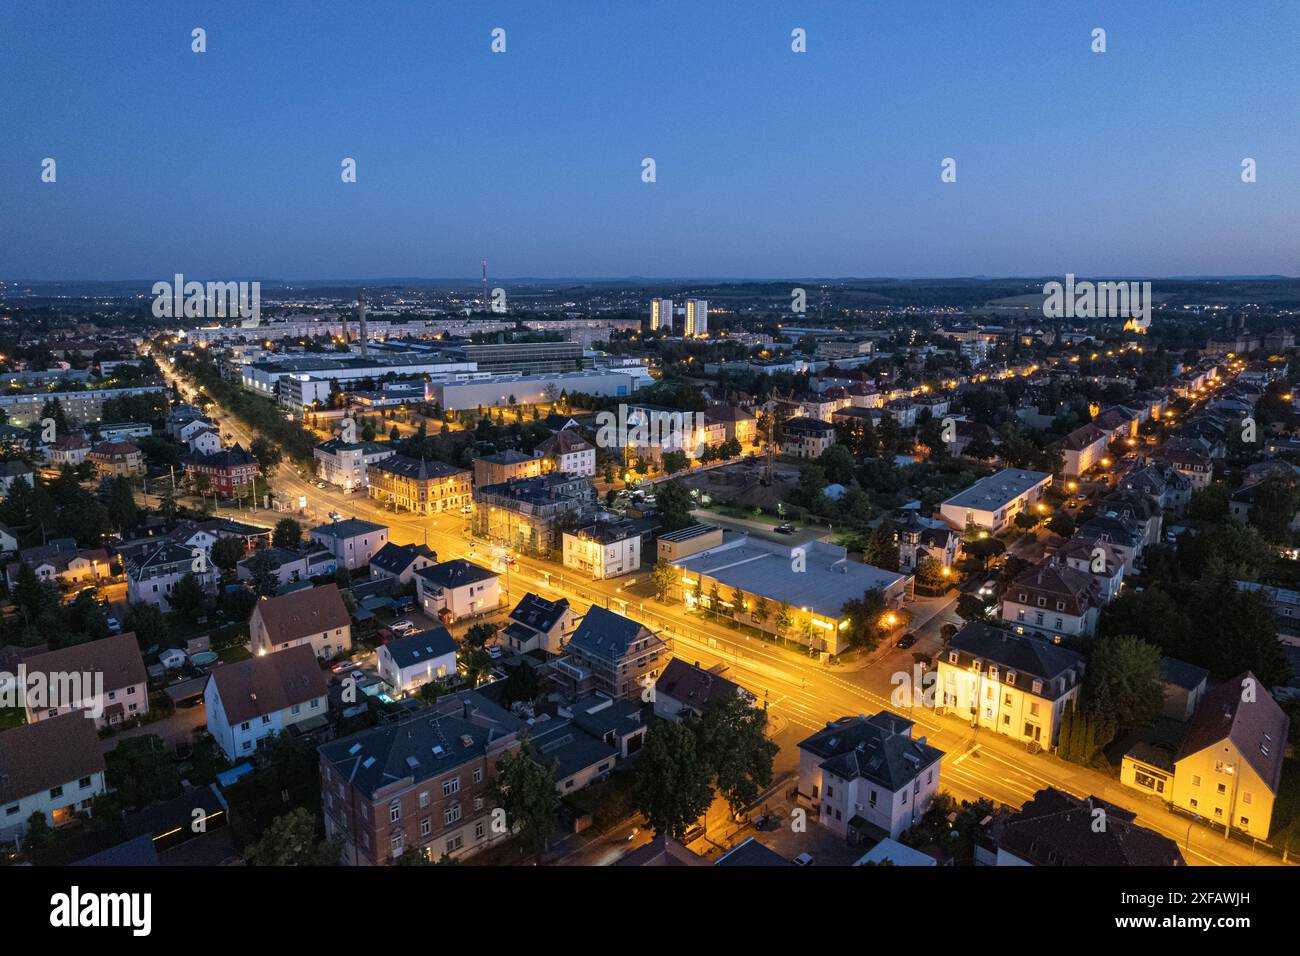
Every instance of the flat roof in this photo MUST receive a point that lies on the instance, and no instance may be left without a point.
(997, 491)
(757, 566)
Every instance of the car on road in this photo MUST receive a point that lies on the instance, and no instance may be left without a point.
(989, 588)
(786, 528)
(804, 859)
(907, 640)
(342, 666)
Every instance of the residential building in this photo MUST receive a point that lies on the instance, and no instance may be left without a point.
(686, 691)
(265, 695)
(1083, 449)
(867, 777)
(1098, 558)
(421, 487)
(920, 538)
(457, 589)
(617, 724)
(737, 423)
(205, 441)
(539, 624)
(61, 562)
(124, 431)
(1017, 686)
(116, 458)
(523, 514)
(352, 541)
(420, 784)
(1053, 600)
(604, 549)
(408, 663)
(157, 569)
(346, 464)
(105, 678)
(287, 567)
(228, 472)
(1228, 768)
(399, 562)
(68, 450)
(611, 654)
(992, 503)
(1056, 828)
(53, 767)
(505, 466)
(313, 616)
(568, 452)
(1196, 466)
(806, 438)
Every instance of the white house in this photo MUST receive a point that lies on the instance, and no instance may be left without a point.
(411, 661)
(344, 463)
(53, 767)
(457, 589)
(399, 562)
(992, 503)
(867, 777)
(604, 549)
(253, 699)
(1053, 600)
(537, 623)
(352, 541)
(569, 452)
(205, 441)
(151, 577)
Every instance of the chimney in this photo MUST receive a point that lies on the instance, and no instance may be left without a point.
(361, 319)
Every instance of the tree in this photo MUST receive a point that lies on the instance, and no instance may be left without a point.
(865, 614)
(187, 597)
(675, 461)
(1124, 684)
(1061, 524)
(783, 620)
(733, 742)
(267, 453)
(675, 504)
(812, 482)
(881, 550)
(122, 509)
(929, 573)
(984, 549)
(761, 611)
(167, 506)
(265, 580)
(1276, 502)
(836, 462)
(479, 634)
(526, 791)
(971, 608)
(671, 783)
(227, 553)
(394, 434)
(141, 770)
(146, 620)
(287, 534)
(664, 575)
(291, 840)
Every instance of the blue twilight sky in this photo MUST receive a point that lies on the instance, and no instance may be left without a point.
(769, 163)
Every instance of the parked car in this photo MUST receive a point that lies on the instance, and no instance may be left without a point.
(804, 859)
(114, 624)
(495, 652)
(907, 640)
(402, 627)
(786, 528)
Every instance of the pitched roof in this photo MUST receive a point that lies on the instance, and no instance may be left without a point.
(1057, 829)
(447, 734)
(396, 558)
(420, 470)
(309, 611)
(1257, 728)
(37, 757)
(539, 613)
(268, 683)
(879, 748)
(694, 685)
(116, 657)
(1057, 582)
(1082, 437)
(605, 634)
(347, 528)
(455, 573)
(564, 442)
(114, 449)
(1024, 655)
(421, 646)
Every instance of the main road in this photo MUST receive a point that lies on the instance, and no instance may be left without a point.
(801, 690)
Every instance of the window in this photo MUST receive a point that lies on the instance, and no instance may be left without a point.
(479, 830)
(1196, 780)
(450, 786)
(56, 792)
(244, 725)
(266, 718)
(426, 827)
(84, 782)
(451, 814)
(394, 811)
(952, 657)
(424, 798)
(455, 843)
(478, 774)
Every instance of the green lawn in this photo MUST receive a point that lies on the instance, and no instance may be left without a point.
(229, 655)
(11, 717)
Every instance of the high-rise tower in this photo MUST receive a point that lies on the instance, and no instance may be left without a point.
(361, 318)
